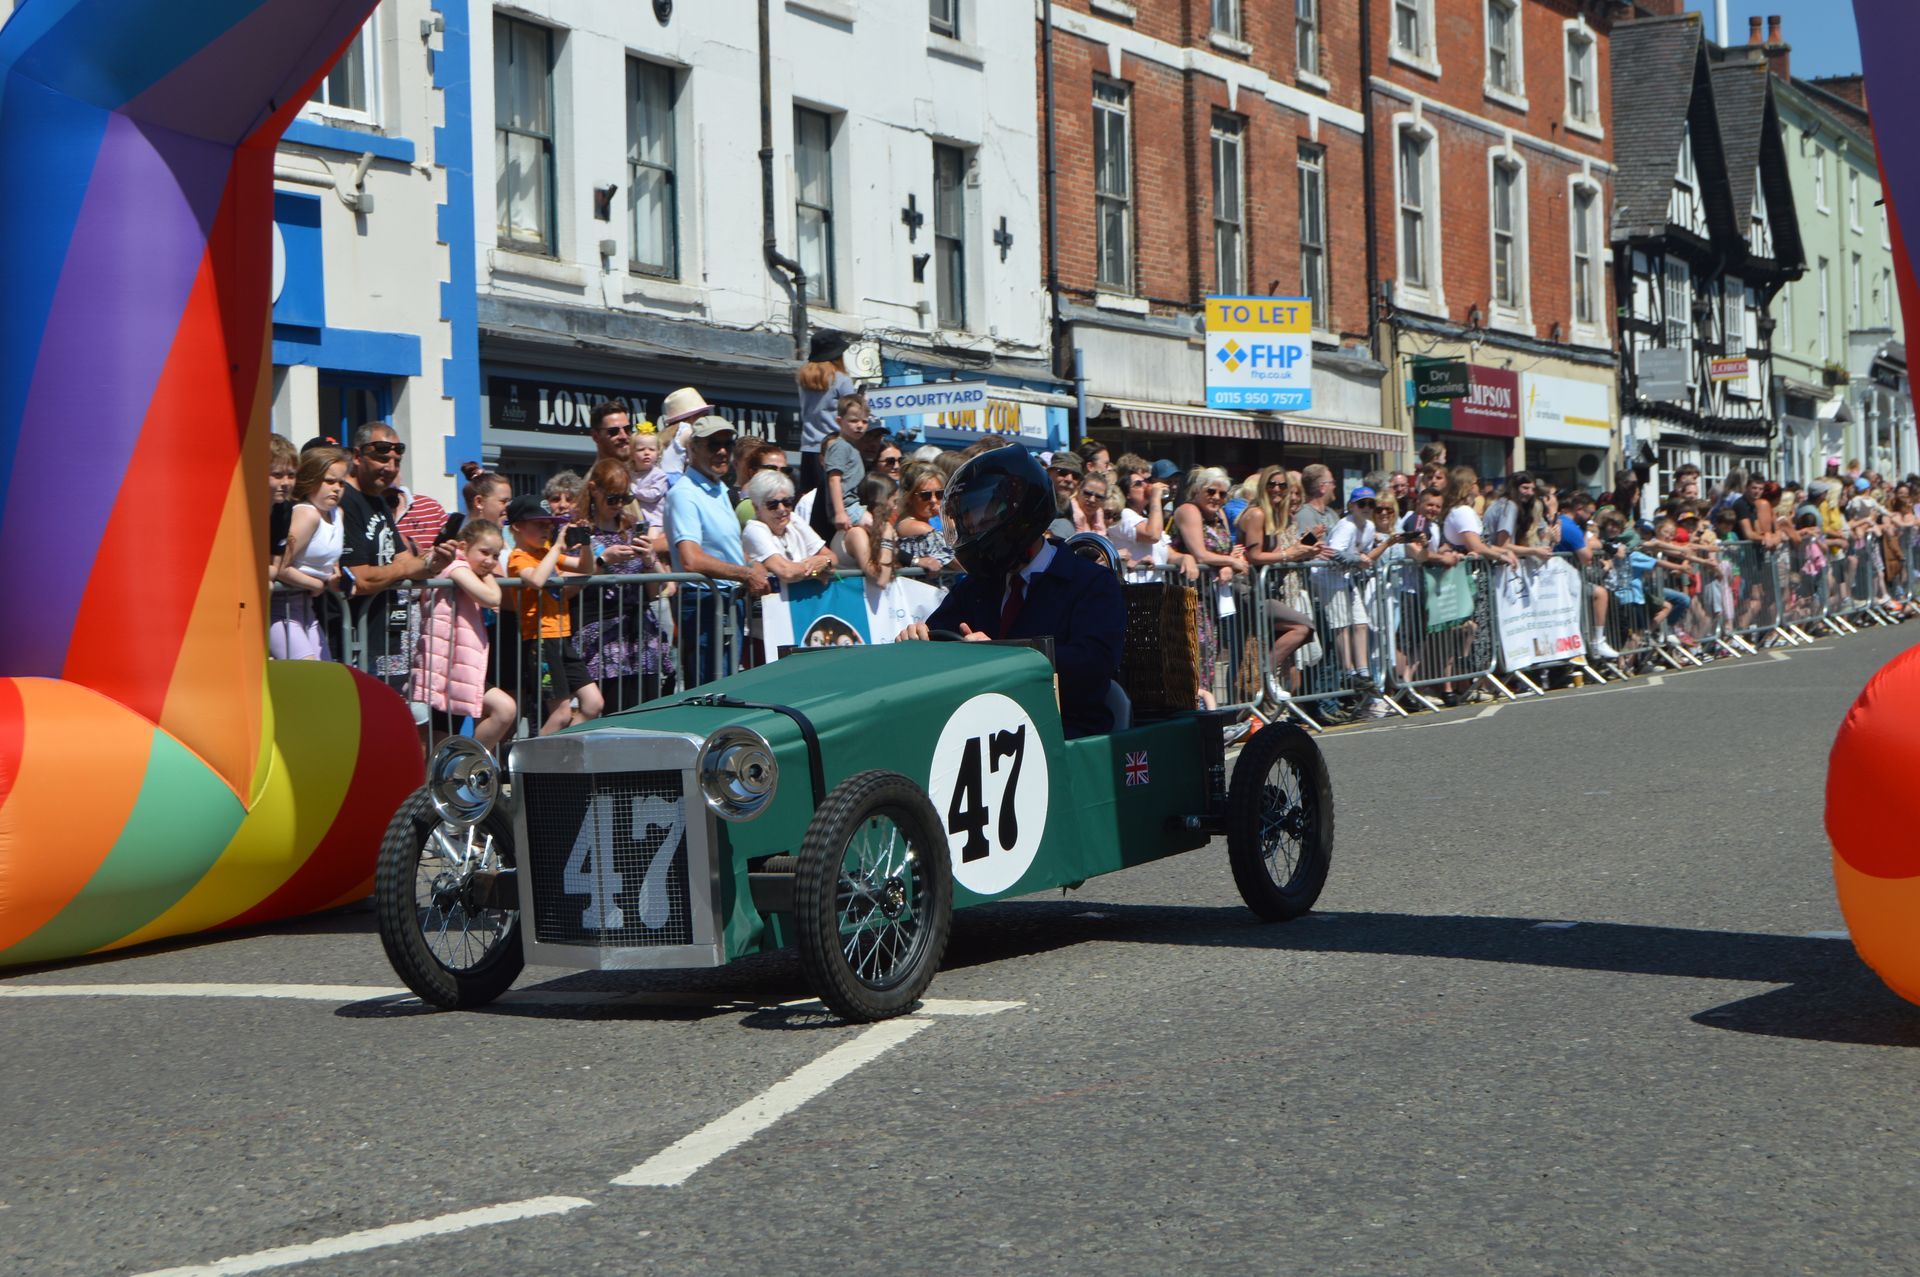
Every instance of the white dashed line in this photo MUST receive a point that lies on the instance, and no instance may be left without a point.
(294, 992)
(676, 1163)
(375, 1238)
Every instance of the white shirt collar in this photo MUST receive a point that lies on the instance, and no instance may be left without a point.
(1038, 563)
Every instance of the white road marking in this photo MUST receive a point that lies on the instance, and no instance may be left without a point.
(1555, 926)
(676, 1163)
(1828, 935)
(375, 1238)
(516, 997)
(296, 992)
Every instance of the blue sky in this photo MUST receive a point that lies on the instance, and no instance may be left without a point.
(1820, 32)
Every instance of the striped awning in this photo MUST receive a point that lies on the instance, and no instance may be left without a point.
(1214, 425)
(1347, 438)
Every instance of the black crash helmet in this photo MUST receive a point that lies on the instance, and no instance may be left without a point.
(998, 503)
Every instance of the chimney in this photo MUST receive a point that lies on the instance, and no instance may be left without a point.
(1753, 30)
(1777, 49)
(1662, 8)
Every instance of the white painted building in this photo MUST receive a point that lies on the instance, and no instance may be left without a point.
(617, 199)
(358, 332)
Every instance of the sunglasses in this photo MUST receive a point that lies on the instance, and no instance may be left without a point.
(1066, 474)
(765, 466)
(1363, 505)
(887, 461)
(1088, 494)
(1216, 492)
(385, 448)
(933, 495)
(778, 503)
(615, 430)
(1136, 482)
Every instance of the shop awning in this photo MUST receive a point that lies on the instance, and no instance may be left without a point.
(1345, 438)
(1159, 419)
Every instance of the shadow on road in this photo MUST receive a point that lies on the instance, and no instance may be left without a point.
(1831, 996)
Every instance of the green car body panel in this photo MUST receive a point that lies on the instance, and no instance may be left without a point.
(1110, 801)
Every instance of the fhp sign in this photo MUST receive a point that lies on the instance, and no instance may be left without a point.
(1260, 353)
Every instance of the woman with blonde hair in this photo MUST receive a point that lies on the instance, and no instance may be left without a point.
(1266, 531)
(1200, 529)
(823, 381)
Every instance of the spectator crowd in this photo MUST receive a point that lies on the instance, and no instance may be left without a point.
(1359, 597)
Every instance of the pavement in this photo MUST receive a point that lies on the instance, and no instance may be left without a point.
(1572, 1003)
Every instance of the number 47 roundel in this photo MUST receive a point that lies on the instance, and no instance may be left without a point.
(989, 785)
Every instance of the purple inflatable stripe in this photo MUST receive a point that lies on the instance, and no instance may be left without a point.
(129, 269)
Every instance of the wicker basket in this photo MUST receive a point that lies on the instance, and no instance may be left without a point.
(1160, 662)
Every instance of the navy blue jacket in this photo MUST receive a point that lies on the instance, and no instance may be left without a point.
(1075, 601)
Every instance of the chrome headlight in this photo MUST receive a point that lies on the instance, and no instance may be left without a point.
(738, 773)
(462, 780)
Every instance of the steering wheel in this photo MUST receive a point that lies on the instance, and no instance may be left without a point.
(946, 636)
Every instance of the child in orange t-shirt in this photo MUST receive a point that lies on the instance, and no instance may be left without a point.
(552, 674)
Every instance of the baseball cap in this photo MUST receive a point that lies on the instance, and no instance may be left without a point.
(1361, 493)
(1164, 471)
(709, 426)
(525, 508)
(319, 441)
(1860, 485)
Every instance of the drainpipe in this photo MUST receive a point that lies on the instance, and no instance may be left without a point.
(1053, 213)
(795, 279)
(1367, 148)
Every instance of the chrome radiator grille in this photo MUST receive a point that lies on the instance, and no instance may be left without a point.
(607, 858)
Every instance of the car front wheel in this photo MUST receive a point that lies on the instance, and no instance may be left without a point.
(1280, 822)
(873, 896)
(439, 908)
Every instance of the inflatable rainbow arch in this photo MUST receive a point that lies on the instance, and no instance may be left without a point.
(158, 775)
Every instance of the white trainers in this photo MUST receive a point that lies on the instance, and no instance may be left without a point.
(1377, 708)
(1604, 650)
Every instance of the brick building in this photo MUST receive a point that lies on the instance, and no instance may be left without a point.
(1208, 147)
(1492, 167)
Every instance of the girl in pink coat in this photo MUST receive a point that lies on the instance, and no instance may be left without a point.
(450, 661)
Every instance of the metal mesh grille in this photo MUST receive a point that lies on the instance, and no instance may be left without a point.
(608, 855)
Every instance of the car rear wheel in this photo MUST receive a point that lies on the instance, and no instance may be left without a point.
(437, 903)
(873, 896)
(1280, 822)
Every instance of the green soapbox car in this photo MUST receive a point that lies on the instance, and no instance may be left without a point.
(841, 802)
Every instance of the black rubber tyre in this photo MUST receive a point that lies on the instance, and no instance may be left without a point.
(872, 922)
(1280, 822)
(485, 972)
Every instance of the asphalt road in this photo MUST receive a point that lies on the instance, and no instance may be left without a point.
(1422, 1078)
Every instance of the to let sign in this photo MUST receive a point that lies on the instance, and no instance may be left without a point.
(1260, 353)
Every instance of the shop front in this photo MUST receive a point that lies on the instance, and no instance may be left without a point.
(1567, 426)
(1479, 427)
(538, 414)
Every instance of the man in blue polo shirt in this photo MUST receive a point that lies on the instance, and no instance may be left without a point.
(703, 535)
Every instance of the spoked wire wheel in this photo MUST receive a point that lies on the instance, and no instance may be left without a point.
(873, 896)
(441, 916)
(1280, 822)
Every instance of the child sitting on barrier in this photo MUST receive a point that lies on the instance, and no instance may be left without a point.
(1809, 562)
(1630, 568)
(310, 562)
(450, 657)
(552, 676)
(627, 648)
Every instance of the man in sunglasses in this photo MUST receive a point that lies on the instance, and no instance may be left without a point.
(703, 533)
(375, 555)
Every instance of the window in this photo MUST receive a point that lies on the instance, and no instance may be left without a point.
(1885, 292)
(1112, 187)
(1733, 318)
(1582, 100)
(1786, 317)
(1509, 268)
(1226, 17)
(1820, 316)
(523, 134)
(348, 89)
(1886, 240)
(1503, 45)
(1820, 178)
(652, 203)
(1229, 207)
(813, 198)
(1413, 209)
(1854, 317)
(1312, 168)
(1586, 278)
(950, 233)
(1853, 198)
(1306, 37)
(944, 17)
(1678, 283)
(1410, 27)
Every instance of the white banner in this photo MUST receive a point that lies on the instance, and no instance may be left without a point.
(932, 396)
(1537, 611)
(845, 611)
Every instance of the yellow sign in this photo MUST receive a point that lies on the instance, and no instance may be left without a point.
(1259, 315)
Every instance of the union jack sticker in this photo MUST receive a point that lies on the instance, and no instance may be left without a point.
(1136, 768)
